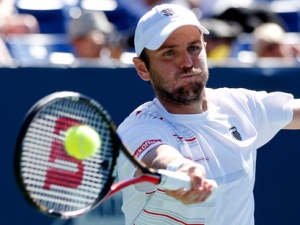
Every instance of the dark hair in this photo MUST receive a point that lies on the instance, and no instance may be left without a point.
(144, 57)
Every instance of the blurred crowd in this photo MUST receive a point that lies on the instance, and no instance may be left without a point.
(101, 31)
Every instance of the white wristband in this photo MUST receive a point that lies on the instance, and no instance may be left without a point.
(177, 163)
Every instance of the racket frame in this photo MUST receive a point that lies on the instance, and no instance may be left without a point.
(29, 117)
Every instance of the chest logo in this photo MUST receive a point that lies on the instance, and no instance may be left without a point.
(234, 132)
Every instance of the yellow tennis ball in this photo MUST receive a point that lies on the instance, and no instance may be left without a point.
(82, 142)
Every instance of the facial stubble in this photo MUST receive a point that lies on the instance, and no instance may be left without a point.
(184, 95)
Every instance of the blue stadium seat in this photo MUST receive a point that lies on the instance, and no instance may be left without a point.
(50, 14)
(289, 12)
(244, 42)
(33, 48)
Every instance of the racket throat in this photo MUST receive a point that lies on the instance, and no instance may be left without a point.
(150, 178)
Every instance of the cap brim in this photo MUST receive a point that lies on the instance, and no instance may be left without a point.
(159, 38)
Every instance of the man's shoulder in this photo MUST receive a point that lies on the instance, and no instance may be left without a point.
(226, 92)
(145, 113)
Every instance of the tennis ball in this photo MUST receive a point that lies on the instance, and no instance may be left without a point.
(82, 142)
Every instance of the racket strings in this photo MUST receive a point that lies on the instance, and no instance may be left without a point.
(55, 180)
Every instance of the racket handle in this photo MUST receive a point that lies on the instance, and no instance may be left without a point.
(171, 180)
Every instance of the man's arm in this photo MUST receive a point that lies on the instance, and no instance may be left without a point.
(163, 156)
(295, 123)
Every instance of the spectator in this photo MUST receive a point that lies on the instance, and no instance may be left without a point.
(210, 8)
(93, 36)
(14, 23)
(220, 38)
(269, 41)
(249, 18)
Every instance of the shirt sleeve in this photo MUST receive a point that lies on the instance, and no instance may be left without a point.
(270, 112)
(140, 136)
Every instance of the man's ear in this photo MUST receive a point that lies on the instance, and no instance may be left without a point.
(141, 68)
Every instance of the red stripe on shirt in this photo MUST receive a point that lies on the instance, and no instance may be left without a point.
(170, 217)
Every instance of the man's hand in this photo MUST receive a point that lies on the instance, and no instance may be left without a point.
(201, 188)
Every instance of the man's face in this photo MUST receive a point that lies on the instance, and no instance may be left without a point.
(178, 69)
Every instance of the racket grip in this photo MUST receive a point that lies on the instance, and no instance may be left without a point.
(171, 180)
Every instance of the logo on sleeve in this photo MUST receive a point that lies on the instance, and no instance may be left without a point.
(145, 146)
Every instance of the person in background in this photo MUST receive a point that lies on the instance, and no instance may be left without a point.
(249, 18)
(269, 41)
(220, 39)
(13, 23)
(190, 128)
(94, 37)
(211, 8)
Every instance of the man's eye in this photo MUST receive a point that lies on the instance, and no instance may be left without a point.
(169, 53)
(194, 48)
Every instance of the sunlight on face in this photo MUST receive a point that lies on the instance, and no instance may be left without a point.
(178, 69)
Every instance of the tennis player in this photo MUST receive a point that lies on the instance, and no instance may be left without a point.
(190, 128)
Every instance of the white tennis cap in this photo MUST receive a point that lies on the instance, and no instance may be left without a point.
(157, 24)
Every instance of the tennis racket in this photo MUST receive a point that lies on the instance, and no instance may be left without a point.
(59, 185)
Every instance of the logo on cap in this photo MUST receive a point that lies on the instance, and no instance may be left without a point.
(167, 12)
